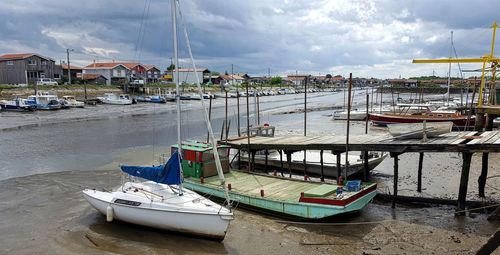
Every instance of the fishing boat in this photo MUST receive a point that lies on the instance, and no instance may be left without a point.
(71, 102)
(110, 98)
(161, 201)
(152, 99)
(419, 130)
(282, 197)
(44, 101)
(17, 104)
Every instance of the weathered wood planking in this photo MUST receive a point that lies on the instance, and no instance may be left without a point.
(452, 142)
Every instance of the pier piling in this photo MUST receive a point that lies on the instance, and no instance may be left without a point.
(484, 162)
(339, 167)
(396, 169)
(321, 162)
(464, 180)
(419, 174)
(281, 161)
(366, 170)
(289, 161)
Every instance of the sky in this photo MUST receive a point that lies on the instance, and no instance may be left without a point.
(369, 38)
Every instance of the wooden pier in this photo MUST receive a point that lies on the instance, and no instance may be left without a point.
(465, 142)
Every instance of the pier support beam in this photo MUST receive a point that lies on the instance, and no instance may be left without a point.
(281, 161)
(479, 121)
(253, 160)
(265, 162)
(289, 161)
(321, 162)
(339, 166)
(481, 181)
(366, 172)
(396, 170)
(419, 174)
(464, 180)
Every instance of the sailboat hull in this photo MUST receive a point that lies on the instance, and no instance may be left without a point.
(210, 225)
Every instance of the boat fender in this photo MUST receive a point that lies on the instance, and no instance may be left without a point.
(109, 213)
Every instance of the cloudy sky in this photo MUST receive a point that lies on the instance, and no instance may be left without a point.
(370, 38)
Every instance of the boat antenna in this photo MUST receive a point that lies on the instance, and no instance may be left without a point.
(177, 94)
(205, 115)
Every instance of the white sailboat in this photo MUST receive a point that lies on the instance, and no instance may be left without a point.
(162, 202)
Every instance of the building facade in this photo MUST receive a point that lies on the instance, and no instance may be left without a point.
(26, 68)
(114, 73)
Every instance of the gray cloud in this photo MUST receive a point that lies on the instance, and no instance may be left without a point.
(375, 38)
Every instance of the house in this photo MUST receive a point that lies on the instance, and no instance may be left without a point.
(22, 68)
(152, 73)
(90, 78)
(411, 83)
(231, 79)
(115, 73)
(136, 70)
(188, 76)
(75, 71)
(297, 79)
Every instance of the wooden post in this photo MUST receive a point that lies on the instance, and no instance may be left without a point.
(366, 172)
(395, 188)
(339, 166)
(348, 123)
(484, 163)
(464, 180)
(479, 121)
(281, 161)
(321, 162)
(253, 160)
(367, 112)
(266, 152)
(289, 161)
(419, 174)
(491, 245)
(248, 127)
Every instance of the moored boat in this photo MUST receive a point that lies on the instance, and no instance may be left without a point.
(459, 121)
(152, 99)
(71, 102)
(419, 130)
(110, 98)
(17, 104)
(44, 101)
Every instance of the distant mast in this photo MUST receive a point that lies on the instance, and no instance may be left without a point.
(449, 70)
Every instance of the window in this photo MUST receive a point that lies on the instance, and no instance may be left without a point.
(32, 62)
(10, 63)
(42, 75)
(44, 62)
(56, 76)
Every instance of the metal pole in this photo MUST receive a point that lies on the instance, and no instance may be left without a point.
(225, 114)
(449, 71)
(69, 67)
(305, 124)
(348, 123)
(177, 91)
(248, 128)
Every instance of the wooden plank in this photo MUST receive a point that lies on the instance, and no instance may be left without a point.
(485, 136)
(461, 137)
(494, 138)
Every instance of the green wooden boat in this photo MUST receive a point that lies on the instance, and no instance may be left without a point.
(285, 197)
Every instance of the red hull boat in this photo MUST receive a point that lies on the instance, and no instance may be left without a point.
(459, 121)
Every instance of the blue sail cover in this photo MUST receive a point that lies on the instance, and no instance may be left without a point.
(166, 174)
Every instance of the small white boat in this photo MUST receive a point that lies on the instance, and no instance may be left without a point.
(110, 98)
(417, 130)
(157, 205)
(355, 115)
(70, 101)
(44, 101)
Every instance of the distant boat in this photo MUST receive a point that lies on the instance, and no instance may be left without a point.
(355, 115)
(17, 104)
(152, 99)
(44, 101)
(417, 130)
(110, 98)
(71, 102)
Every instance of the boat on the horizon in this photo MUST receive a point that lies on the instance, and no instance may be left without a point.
(110, 98)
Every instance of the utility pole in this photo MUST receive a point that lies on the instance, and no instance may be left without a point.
(69, 67)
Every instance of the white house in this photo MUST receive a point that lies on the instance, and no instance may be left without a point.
(113, 72)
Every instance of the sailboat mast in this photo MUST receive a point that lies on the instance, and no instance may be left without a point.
(449, 70)
(205, 115)
(176, 80)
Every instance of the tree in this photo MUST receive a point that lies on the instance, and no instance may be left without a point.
(276, 80)
(171, 67)
(329, 76)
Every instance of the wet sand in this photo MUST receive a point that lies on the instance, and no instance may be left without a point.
(47, 214)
